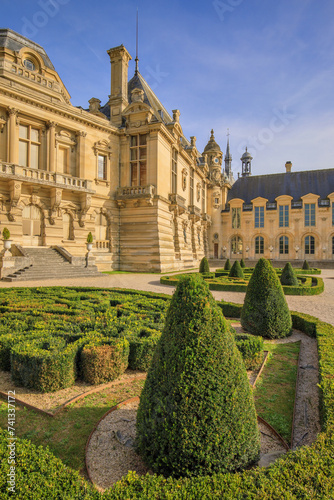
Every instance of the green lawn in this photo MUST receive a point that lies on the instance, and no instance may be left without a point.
(274, 393)
(66, 434)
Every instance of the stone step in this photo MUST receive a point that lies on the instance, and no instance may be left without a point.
(48, 263)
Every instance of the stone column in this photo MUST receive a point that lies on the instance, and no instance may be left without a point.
(52, 147)
(81, 160)
(11, 138)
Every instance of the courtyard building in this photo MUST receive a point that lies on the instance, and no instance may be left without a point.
(122, 169)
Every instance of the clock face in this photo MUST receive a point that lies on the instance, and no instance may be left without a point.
(216, 160)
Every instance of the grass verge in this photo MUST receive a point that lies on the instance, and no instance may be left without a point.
(274, 393)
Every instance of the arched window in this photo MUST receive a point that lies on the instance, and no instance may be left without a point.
(236, 244)
(68, 230)
(259, 245)
(309, 245)
(284, 245)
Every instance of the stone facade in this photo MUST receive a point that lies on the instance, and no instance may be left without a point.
(123, 171)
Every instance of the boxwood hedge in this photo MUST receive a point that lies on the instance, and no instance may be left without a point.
(106, 361)
(304, 474)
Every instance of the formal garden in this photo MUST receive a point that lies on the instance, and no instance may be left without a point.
(235, 278)
(197, 430)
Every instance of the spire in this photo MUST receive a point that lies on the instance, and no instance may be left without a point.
(137, 59)
(228, 157)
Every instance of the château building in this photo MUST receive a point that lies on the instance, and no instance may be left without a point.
(123, 170)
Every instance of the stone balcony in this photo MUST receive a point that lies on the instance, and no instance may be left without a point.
(43, 177)
(177, 202)
(195, 212)
(135, 193)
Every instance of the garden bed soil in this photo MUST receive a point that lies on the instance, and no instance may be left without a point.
(53, 401)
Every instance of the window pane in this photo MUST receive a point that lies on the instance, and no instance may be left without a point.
(26, 227)
(134, 178)
(23, 132)
(142, 140)
(133, 154)
(142, 153)
(23, 153)
(34, 155)
(34, 135)
(134, 140)
(142, 173)
(102, 173)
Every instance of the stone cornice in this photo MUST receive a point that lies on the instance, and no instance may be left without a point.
(56, 109)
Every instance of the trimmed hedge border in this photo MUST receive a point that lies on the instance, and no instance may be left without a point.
(306, 473)
(316, 288)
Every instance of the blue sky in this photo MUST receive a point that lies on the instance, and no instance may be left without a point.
(263, 69)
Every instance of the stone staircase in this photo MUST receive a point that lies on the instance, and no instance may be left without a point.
(50, 264)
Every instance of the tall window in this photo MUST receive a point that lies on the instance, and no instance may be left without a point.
(102, 167)
(29, 146)
(138, 159)
(259, 245)
(174, 170)
(236, 244)
(236, 218)
(284, 245)
(63, 160)
(309, 214)
(191, 186)
(284, 216)
(309, 245)
(259, 216)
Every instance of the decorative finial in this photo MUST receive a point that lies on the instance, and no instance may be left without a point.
(212, 136)
(228, 132)
(246, 149)
(137, 59)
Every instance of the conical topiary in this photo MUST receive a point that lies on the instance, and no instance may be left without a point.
(265, 311)
(196, 414)
(227, 266)
(236, 271)
(288, 276)
(242, 263)
(204, 266)
(306, 265)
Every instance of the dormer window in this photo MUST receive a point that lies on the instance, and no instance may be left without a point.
(29, 65)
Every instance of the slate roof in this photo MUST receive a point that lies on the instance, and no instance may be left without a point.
(295, 184)
(138, 82)
(14, 41)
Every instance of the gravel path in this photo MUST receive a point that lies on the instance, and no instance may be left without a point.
(110, 453)
(321, 306)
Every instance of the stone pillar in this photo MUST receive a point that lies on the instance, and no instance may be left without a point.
(81, 153)
(52, 147)
(11, 138)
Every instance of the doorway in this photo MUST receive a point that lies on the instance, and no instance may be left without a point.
(32, 226)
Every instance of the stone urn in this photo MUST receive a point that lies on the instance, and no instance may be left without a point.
(7, 244)
(89, 246)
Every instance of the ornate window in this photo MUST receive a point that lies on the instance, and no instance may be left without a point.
(284, 245)
(138, 159)
(259, 245)
(29, 146)
(259, 216)
(236, 218)
(284, 216)
(102, 167)
(236, 244)
(309, 214)
(29, 64)
(309, 245)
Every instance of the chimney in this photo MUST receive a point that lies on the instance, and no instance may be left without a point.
(118, 99)
(288, 166)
